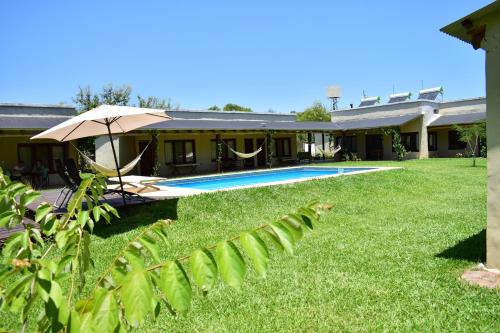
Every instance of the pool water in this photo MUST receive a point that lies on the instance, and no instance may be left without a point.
(219, 182)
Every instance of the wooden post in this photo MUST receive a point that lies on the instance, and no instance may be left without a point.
(309, 144)
(323, 144)
(269, 149)
(218, 150)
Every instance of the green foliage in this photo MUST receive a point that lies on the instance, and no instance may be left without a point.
(235, 107)
(316, 112)
(398, 147)
(472, 136)
(131, 290)
(214, 108)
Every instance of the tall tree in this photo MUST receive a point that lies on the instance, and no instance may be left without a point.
(472, 136)
(236, 107)
(316, 112)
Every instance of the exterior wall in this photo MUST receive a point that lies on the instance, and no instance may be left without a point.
(9, 153)
(128, 145)
(493, 124)
(203, 114)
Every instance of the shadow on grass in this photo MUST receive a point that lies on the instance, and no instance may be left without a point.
(470, 249)
(138, 215)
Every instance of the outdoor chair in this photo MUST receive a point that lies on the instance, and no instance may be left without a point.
(69, 186)
(74, 175)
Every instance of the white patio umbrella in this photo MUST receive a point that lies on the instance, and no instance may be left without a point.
(105, 119)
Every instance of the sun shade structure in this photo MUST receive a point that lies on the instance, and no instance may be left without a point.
(367, 123)
(459, 119)
(105, 119)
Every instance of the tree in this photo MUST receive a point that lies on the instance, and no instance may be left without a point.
(86, 100)
(43, 271)
(214, 108)
(236, 107)
(472, 136)
(316, 112)
(397, 145)
(154, 103)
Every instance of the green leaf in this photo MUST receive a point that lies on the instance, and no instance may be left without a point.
(96, 211)
(83, 216)
(284, 235)
(293, 224)
(42, 211)
(61, 239)
(274, 238)
(175, 285)
(204, 269)
(257, 250)
(50, 224)
(105, 312)
(150, 244)
(28, 197)
(231, 264)
(136, 294)
(74, 322)
(5, 218)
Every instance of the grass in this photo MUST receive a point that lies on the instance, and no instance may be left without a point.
(387, 258)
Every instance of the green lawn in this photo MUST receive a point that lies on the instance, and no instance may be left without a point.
(387, 258)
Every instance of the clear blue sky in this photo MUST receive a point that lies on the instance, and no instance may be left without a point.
(278, 55)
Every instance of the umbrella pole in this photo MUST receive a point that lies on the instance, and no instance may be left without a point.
(116, 161)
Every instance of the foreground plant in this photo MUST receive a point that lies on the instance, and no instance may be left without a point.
(138, 282)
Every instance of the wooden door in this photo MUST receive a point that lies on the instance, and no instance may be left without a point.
(249, 163)
(374, 147)
(261, 157)
(146, 163)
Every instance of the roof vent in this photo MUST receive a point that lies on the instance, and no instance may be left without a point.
(368, 101)
(401, 97)
(431, 94)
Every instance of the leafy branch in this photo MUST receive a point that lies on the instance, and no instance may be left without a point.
(138, 281)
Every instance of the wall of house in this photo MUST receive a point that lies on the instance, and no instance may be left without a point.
(9, 153)
(129, 145)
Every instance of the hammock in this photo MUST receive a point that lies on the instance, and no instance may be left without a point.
(245, 155)
(109, 172)
(334, 151)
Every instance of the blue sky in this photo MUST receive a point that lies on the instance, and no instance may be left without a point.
(278, 55)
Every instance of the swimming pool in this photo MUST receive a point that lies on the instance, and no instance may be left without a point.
(258, 178)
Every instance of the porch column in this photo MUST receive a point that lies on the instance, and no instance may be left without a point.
(309, 144)
(218, 144)
(493, 124)
(323, 144)
(269, 149)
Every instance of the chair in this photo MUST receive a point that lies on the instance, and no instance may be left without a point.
(74, 174)
(69, 186)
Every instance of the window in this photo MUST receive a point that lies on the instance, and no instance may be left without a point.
(432, 141)
(227, 154)
(347, 143)
(47, 153)
(180, 152)
(282, 147)
(410, 141)
(453, 141)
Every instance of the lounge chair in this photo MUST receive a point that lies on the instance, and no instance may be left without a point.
(74, 175)
(69, 186)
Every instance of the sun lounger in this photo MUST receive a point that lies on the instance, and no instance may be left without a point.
(138, 184)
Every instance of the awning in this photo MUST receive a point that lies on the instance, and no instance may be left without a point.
(30, 123)
(460, 118)
(380, 122)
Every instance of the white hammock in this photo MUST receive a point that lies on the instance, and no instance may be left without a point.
(109, 172)
(245, 155)
(334, 151)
